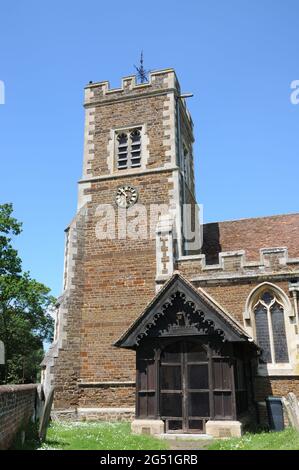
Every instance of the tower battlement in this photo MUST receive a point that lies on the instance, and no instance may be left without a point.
(160, 82)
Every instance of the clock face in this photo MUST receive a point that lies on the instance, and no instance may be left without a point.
(126, 196)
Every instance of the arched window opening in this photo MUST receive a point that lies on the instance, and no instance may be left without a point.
(128, 149)
(135, 148)
(270, 329)
(122, 153)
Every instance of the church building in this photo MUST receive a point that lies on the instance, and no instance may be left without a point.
(175, 325)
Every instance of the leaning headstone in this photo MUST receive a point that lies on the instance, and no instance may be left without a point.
(288, 411)
(45, 417)
(290, 404)
(39, 404)
(292, 399)
(2, 353)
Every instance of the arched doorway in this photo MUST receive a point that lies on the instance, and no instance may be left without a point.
(185, 379)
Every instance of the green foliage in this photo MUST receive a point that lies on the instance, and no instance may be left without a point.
(284, 440)
(25, 304)
(10, 263)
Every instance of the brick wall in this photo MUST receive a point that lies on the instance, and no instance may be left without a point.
(17, 406)
(111, 396)
(273, 386)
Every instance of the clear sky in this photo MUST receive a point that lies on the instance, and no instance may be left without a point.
(238, 57)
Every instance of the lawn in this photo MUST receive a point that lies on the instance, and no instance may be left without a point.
(95, 436)
(118, 436)
(284, 440)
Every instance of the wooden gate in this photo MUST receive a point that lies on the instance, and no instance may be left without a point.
(185, 387)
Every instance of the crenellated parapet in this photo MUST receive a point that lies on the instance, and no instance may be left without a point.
(159, 82)
(233, 264)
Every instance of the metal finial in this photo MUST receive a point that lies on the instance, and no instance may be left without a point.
(141, 72)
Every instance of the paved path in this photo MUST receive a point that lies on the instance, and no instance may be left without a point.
(179, 444)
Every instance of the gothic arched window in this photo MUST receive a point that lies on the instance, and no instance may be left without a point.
(270, 328)
(128, 149)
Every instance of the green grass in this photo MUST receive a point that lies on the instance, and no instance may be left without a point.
(284, 440)
(96, 436)
(118, 436)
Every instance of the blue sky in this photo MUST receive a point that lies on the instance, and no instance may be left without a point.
(238, 57)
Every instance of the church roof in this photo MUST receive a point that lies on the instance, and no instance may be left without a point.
(251, 235)
(204, 305)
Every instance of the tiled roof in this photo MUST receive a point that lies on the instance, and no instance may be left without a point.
(251, 235)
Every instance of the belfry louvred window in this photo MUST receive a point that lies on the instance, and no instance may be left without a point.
(270, 329)
(122, 154)
(129, 149)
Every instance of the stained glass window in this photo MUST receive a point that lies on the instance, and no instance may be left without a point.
(270, 329)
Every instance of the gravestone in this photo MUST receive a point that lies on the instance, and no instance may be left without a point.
(45, 417)
(291, 407)
(292, 399)
(2, 353)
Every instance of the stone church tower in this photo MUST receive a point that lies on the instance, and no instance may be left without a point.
(137, 138)
(140, 287)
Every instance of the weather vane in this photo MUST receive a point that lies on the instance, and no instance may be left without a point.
(141, 72)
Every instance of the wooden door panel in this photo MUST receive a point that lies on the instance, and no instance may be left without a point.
(171, 377)
(171, 405)
(195, 353)
(198, 376)
(198, 404)
(222, 377)
(223, 405)
(223, 388)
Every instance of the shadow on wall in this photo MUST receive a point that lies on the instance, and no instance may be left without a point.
(211, 243)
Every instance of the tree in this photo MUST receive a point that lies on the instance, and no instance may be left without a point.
(25, 306)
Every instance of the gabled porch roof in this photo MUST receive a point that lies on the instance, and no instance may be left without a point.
(203, 305)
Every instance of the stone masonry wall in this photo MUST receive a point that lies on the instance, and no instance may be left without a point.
(64, 361)
(112, 396)
(17, 406)
(119, 281)
(150, 105)
(233, 296)
(113, 279)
